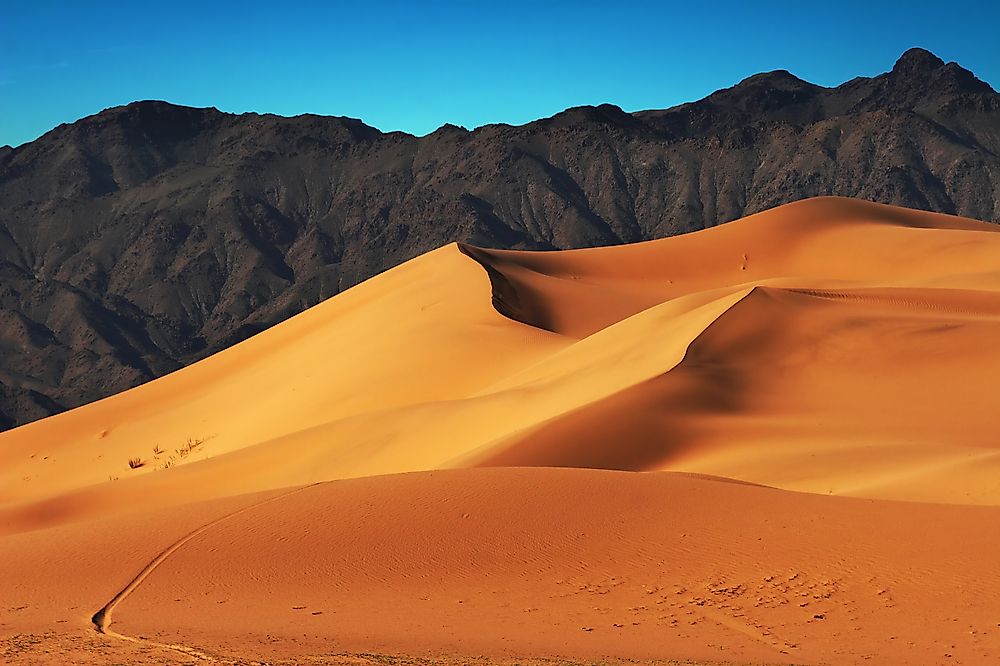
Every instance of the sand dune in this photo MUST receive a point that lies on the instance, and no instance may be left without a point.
(825, 348)
(597, 563)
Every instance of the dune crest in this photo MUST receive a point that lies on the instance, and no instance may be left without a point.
(827, 347)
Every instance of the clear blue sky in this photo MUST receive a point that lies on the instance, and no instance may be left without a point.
(414, 66)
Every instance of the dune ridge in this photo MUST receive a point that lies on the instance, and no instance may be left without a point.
(833, 358)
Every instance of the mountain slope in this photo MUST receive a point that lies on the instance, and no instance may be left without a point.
(149, 236)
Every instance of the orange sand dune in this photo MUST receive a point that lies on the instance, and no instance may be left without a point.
(831, 347)
(596, 563)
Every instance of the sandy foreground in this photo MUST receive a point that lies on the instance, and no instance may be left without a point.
(773, 441)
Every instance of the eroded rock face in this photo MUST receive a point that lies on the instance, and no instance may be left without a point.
(146, 237)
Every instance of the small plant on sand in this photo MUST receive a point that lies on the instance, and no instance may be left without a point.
(189, 446)
(136, 463)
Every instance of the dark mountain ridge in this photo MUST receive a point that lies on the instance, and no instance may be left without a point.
(148, 236)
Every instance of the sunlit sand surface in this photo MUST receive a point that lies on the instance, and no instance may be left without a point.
(773, 441)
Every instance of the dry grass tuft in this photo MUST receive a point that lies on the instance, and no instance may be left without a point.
(190, 445)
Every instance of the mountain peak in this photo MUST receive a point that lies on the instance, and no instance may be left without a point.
(917, 61)
(778, 78)
(155, 109)
(918, 71)
(451, 128)
(603, 114)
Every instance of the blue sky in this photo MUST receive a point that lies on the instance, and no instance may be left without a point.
(414, 67)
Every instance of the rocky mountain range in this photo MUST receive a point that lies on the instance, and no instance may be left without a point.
(146, 237)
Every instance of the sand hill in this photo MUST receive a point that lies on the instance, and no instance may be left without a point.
(442, 462)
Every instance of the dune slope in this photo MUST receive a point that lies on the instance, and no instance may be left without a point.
(828, 347)
(597, 564)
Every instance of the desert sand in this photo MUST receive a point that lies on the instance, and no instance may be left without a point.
(772, 441)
